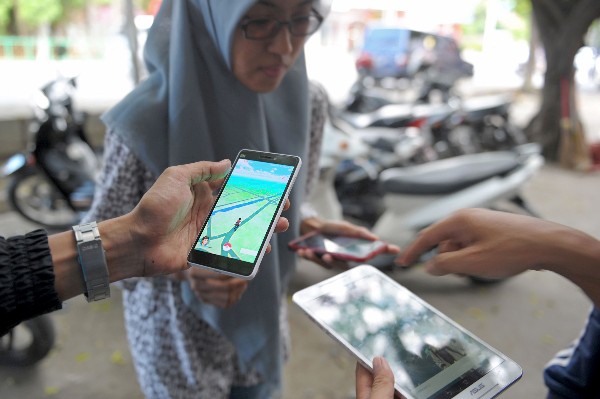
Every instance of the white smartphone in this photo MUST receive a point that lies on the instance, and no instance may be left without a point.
(431, 355)
(234, 237)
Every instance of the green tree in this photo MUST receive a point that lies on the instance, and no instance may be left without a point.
(7, 20)
(5, 6)
(20, 16)
(34, 13)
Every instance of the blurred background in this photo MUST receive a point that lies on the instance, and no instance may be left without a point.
(410, 83)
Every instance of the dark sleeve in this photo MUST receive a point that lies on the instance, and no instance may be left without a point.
(26, 279)
(573, 373)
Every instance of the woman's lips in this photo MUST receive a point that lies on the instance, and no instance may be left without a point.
(274, 71)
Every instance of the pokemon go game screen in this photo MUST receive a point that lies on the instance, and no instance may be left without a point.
(242, 215)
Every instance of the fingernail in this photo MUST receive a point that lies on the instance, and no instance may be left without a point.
(377, 363)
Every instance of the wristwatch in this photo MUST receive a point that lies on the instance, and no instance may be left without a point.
(92, 261)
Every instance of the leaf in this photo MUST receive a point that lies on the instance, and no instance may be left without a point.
(117, 357)
(82, 357)
(476, 313)
(51, 391)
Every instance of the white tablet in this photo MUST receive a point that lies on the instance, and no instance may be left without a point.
(431, 355)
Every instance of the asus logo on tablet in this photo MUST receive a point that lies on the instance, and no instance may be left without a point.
(477, 389)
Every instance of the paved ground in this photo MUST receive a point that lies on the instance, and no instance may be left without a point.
(529, 317)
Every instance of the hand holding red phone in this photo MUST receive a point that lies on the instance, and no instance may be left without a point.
(340, 229)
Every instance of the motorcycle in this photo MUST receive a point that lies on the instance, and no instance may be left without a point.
(457, 126)
(417, 196)
(27, 343)
(483, 124)
(52, 182)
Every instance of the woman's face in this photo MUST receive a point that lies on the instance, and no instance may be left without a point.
(260, 65)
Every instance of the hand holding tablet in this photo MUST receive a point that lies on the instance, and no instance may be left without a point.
(431, 356)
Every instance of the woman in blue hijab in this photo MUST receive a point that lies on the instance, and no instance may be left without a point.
(223, 75)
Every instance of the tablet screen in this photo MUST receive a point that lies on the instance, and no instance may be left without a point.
(431, 357)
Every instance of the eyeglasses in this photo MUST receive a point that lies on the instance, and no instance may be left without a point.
(268, 28)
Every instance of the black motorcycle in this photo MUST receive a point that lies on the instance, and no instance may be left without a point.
(483, 124)
(52, 182)
(457, 127)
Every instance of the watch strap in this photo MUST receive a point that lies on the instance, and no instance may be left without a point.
(92, 261)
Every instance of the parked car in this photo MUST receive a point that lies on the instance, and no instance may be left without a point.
(390, 52)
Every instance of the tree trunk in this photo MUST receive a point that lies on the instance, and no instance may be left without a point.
(132, 38)
(562, 26)
(12, 28)
(531, 65)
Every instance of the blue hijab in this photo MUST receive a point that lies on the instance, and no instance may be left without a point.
(190, 108)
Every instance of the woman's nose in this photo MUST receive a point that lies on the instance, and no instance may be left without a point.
(282, 42)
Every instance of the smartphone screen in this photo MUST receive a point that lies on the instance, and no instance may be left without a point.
(234, 237)
(431, 356)
(341, 247)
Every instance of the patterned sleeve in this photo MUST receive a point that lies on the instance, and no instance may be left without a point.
(122, 183)
(319, 103)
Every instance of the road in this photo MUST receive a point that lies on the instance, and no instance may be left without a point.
(529, 317)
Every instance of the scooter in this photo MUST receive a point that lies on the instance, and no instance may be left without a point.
(417, 196)
(52, 182)
(352, 159)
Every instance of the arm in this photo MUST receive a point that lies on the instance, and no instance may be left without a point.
(26, 279)
(40, 272)
(153, 239)
(122, 183)
(497, 244)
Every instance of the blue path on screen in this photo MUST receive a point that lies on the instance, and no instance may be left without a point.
(242, 204)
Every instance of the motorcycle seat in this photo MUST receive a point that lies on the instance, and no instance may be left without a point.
(448, 175)
(398, 114)
(478, 107)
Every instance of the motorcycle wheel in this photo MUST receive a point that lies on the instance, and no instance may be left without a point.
(27, 343)
(33, 196)
(464, 140)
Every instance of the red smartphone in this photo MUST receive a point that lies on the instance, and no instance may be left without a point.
(340, 247)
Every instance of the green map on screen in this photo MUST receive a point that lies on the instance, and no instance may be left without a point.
(237, 226)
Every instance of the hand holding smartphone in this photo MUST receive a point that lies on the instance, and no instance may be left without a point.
(237, 231)
(340, 247)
